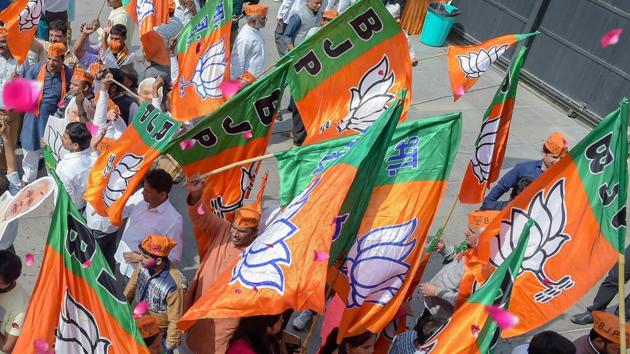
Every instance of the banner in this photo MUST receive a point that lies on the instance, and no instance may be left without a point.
(21, 19)
(149, 14)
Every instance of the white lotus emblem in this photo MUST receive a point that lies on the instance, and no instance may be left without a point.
(375, 265)
(208, 74)
(259, 265)
(29, 17)
(56, 145)
(476, 63)
(119, 178)
(546, 239)
(484, 150)
(370, 99)
(77, 331)
(144, 8)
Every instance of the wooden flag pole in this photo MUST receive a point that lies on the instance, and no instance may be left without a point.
(235, 164)
(433, 56)
(135, 95)
(622, 302)
(101, 9)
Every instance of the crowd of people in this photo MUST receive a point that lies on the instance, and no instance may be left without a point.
(91, 79)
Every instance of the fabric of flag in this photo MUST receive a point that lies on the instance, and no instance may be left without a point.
(120, 169)
(579, 211)
(285, 267)
(203, 53)
(238, 130)
(485, 165)
(149, 14)
(466, 64)
(77, 305)
(471, 329)
(21, 19)
(344, 76)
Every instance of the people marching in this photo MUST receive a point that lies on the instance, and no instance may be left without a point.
(154, 248)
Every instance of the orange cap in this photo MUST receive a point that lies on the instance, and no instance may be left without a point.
(158, 245)
(57, 50)
(80, 74)
(481, 218)
(4, 32)
(607, 325)
(557, 144)
(330, 14)
(148, 326)
(249, 215)
(255, 10)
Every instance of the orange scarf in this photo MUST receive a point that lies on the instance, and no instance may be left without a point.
(41, 77)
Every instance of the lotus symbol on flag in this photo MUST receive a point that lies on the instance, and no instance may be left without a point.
(144, 8)
(119, 178)
(208, 74)
(375, 265)
(77, 331)
(370, 99)
(259, 266)
(474, 64)
(29, 17)
(481, 160)
(546, 239)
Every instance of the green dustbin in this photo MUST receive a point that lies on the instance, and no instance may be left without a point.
(437, 24)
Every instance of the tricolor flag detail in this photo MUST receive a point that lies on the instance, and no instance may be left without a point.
(203, 54)
(485, 164)
(578, 208)
(21, 19)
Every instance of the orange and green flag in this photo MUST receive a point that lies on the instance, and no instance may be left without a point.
(345, 76)
(579, 211)
(119, 170)
(471, 329)
(485, 165)
(466, 64)
(285, 267)
(149, 14)
(203, 54)
(21, 19)
(77, 304)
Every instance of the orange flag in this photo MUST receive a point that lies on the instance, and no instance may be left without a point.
(285, 267)
(149, 14)
(578, 208)
(21, 19)
(467, 64)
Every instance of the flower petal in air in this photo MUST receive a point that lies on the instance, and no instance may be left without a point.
(187, 144)
(475, 330)
(30, 259)
(321, 256)
(200, 209)
(229, 88)
(459, 91)
(87, 263)
(611, 37)
(141, 308)
(505, 319)
(92, 128)
(248, 134)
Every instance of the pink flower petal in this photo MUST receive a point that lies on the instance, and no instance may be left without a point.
(15, 325)
(270, 245)
(87, 264)
(474, 329)
(460, 91)
(247, 135)
(505, 319)
(92, 128)
(30, 259)
(150, 263)
(141, 308)
(611, 37)
(237, 291)
(321, 256)
(198, 48)
(40, 345)
(546, 281)
(21, 95)
(187, 144)
(200, 209)
(229, 88)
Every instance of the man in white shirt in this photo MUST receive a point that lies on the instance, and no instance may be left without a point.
(74, 168)
(9, 69)
(248, 53)
(149, 212)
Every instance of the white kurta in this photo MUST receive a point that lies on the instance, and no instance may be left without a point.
(248, 53)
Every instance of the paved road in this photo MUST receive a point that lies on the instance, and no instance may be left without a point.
(534, 118)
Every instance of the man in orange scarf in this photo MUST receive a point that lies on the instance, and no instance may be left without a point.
(55, 78)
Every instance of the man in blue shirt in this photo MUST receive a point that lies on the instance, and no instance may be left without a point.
(555, 147)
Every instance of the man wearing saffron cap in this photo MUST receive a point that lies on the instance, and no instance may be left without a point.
(553, 150)
(441, 294)
(604, 337)
(248, 53)
(161, 285)
(225, 242)
(9, 69)
(55, 78)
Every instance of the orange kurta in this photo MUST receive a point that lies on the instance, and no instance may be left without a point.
(211, 336)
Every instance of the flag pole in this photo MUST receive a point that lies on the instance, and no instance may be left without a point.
(433, 56)
(235, 164)
(128, 90)
(101, 9)
(622, 301)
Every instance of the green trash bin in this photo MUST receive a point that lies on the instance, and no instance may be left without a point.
(437, 23)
